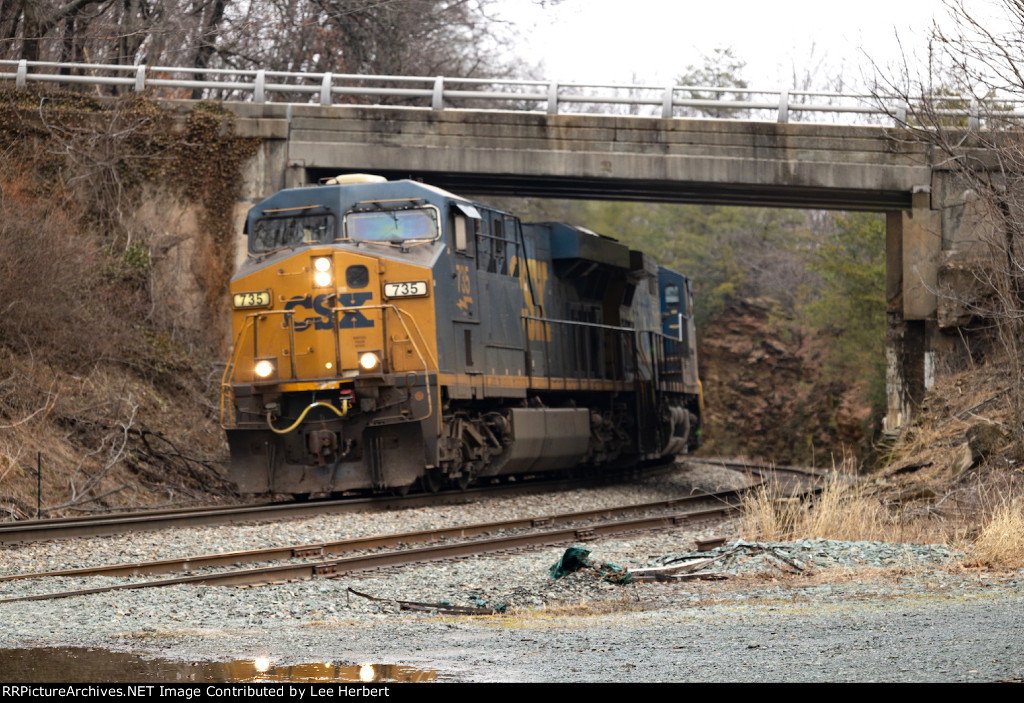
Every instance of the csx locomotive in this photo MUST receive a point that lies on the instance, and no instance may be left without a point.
(389, 333)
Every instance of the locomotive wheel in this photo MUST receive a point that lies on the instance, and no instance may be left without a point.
(432, 480)
(462, 481)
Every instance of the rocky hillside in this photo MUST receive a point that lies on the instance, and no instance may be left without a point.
(940, 479)
(767, 397)
(116, 244)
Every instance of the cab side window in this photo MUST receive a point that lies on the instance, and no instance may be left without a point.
(497, 244)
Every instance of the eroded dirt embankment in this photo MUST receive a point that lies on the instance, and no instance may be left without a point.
(766, 394)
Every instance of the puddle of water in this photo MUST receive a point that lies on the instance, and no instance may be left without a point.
(86, 665)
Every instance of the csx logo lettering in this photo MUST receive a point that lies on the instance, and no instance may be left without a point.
(350, 319)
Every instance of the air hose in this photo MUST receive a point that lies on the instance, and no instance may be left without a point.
(319, 403)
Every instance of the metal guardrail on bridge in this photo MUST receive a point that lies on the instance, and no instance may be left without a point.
(440, 92)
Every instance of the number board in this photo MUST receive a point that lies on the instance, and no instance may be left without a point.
(407, 289)
(256, 299)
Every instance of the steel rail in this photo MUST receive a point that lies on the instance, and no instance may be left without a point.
(337, 567)
(761, 466)
(61, 528)
(319, 549)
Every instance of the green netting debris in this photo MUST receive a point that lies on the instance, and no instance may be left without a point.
(576, 558)
(482, 603)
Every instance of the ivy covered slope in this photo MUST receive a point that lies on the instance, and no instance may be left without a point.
(116, 247)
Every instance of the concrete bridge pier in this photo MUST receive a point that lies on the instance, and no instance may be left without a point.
(913, 247)
(933, 251)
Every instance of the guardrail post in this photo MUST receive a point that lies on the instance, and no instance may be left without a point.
(974, 116)
(553, 98)
(260, 90)
(437, 100)
(900, 115)
(325, 90)
(140, 78)
(21, 79)
(666, 102)
(783, 106)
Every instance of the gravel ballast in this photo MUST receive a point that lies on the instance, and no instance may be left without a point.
(810, 610)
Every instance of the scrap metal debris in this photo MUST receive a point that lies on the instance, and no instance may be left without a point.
(696, 566)
(706, 545)
(443, 607)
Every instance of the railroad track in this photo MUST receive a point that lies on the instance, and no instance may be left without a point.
(67, 528)
(762, 468)
(530, 535)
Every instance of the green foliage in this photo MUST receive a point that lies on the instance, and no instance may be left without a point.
(132, 267)
(728, 252)
(850, 304)
(721, 69)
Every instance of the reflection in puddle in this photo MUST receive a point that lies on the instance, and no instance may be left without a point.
(81, 665)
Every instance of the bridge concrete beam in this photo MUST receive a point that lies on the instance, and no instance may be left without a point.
(681, 160)
(523, 153)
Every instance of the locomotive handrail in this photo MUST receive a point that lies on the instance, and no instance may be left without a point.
(633, 331)
(227, 392)
(229, 369)
(416, 348)
(583, 324)
(521, 95)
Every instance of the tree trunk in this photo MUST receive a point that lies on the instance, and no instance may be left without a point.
(207, 40)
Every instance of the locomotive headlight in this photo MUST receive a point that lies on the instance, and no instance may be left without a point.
(369, 361)
(322, 276)
(264, 368)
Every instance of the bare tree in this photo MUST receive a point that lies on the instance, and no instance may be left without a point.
(122, 32)
(385, 37)
(959, 104)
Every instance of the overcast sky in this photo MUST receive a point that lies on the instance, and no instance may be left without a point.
(654, 41)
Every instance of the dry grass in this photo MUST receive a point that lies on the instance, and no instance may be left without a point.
(842, 511)
(992, 534)
(110, 404)
(1000, 544)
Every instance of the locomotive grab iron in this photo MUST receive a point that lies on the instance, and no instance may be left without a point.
(390, 332)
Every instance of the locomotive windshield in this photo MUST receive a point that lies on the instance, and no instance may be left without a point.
(270, 233)
(392, 226)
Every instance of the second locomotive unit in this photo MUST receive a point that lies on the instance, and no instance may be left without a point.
(390, 332)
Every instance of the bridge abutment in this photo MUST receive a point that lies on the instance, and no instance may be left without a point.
(937, 253)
